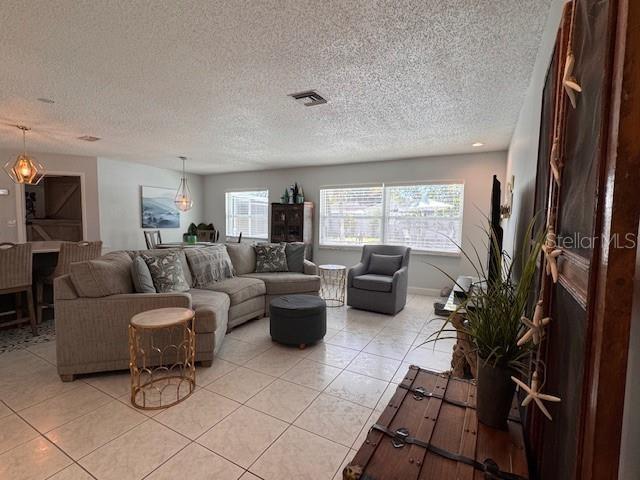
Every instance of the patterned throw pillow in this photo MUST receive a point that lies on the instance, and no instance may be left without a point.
(209, 265)
(166, 272)
(271, 257)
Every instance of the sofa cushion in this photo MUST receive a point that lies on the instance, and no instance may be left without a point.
(141, 276)
(243, 257)
(295, 256)
(280, 283)
(271, 257)
(384, 264)
(239, 289)
(163, 251)
(375, 283)
(166, 272)
(104, 276)
(209, 265)
(211, 310)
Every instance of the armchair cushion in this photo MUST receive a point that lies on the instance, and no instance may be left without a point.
(372, 282)
(384, 264)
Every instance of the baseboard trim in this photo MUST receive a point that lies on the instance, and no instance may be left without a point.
(429, 292)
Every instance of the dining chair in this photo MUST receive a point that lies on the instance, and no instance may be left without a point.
(152, 238)
(15, 277)
(70, 252)
(208, 235)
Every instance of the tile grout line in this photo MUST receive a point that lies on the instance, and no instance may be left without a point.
(44, 437)
(377, 336)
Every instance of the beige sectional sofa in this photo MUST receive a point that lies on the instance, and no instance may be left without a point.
(96, 300)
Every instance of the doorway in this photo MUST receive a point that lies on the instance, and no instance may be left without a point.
(54, 210)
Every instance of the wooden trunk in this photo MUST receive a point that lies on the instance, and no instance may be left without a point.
(444, 418)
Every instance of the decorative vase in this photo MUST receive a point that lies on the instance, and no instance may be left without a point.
(494, 394)
(192, 239)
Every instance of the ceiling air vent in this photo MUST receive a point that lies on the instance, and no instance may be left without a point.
(88, 138)
(310, 98)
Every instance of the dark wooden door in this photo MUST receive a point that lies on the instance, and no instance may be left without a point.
(594, 209)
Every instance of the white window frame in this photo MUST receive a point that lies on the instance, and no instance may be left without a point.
(226, 216)
(385, 215)
(332, 246)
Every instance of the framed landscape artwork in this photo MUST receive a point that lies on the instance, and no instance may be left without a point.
(158, 209)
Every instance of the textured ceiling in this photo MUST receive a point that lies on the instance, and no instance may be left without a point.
(157, 79)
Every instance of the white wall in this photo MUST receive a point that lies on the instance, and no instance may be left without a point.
(475, 170)
(522, 157)
(119, 185)
(53, 163)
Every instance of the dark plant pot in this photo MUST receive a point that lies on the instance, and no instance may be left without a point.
(494, 394)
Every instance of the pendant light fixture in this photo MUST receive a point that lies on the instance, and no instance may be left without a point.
(183, 199)
(25, 169)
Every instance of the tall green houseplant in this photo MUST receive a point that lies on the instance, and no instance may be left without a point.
(493, 313)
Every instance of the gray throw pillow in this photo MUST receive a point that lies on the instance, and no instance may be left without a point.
(384, 264)
(141, 276)
(104, 276)
(209, 265)
(271, 258)
(295, 256)
(166, 272)
(243, 257)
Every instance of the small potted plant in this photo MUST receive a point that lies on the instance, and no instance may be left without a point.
(191, 236)
(493, 312)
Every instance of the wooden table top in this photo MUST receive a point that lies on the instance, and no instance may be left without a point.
(162, 317)
(50, 246)
(184, 244)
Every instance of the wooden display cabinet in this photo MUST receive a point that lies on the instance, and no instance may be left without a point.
(293, 223)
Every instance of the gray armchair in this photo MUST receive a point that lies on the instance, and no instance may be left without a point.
(379, 282)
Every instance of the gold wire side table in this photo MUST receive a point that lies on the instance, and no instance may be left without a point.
(162, 350)
(332, 280)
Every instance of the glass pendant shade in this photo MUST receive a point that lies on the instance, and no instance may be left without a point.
(25, 169)
(183, 200)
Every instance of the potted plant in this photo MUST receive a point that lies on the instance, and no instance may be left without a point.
(192, 234)
(493, 312)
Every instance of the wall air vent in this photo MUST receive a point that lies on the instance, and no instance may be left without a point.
(89, 138)
(309, 98)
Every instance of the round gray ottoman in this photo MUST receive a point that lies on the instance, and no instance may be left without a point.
(298, 319)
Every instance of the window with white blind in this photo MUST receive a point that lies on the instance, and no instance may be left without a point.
(425, 216)
(247, 213)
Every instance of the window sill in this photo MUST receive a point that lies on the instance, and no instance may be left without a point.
(414, 251)
(231, 239)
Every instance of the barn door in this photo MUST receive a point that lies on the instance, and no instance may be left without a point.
(593, 209)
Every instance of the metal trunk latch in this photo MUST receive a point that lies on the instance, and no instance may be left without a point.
(399, 437)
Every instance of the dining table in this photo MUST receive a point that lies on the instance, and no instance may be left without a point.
(184, 244)
(45, 246)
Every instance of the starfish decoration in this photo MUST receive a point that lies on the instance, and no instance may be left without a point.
(551, 254)
(533, 393)
(555, 160)
(536, 326)
(569, 82)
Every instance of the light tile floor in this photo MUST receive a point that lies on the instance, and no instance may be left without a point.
(263, 411)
